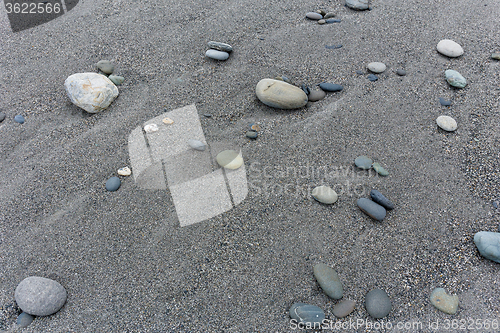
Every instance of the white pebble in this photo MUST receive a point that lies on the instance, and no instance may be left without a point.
(450, 48)
(151, 128)
(376, 67)
(125, 171)
(447, 123)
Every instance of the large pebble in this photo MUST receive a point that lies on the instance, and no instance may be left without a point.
(363, 162)
(217, 55)
(357, 4)
(220, 46)
(380, 169)
(324, 194)
(343, 308)
(444, 302)
(329, 281)
(309, 315)
(113, 184)
(196, 144)
(381, 199)
(39, 296)
(280, 95)
(376, 67)
(449, 48)
(372, 209)
(314, 16)
(316, 95)
(24, 320)
(330, 87)
(377, 303)
(91, 91)
(229, 159)
(447, 123)
(106, 66)
(488, 244)
(455, 79)
(19, 119)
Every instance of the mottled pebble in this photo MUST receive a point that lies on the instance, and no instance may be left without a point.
(117, 80)
(380, 170)
(495, 56)
(314, 16)
(444, 302)
(316, 95)
(125, 171)
(328, 15)
(113, 184)
(321, 21)
(324, 194)
(363, 162)
(376, 67)
(330, 87)
(401, 72)
(220, 46)
(444, 102)
(372, 77)
(2, 116)
(455, 79)
(332, 21)
(24, 320)
(167, 121)
(279, 94)
(309, 315)
(39, 296)
(106, 66)
(217, 55)
(229, 159)
(329, 281)
(381, 199)
(343, 308)
(91, 91)
(449, 48)
(252, 134)
(488, 245)
(372, 209)
(377, 303)
(446, 123)
(151, 128)
(357, 4)
(19, 119)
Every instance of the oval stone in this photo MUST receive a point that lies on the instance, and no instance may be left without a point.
(324, 194)
(220, 46)
(24, 319)
(196, 145)
(380, 169)
(106, 66)
(343, 308)
(444, 302)
(329, 281)
(449, 48)
(252, 134)
(372, 209)
(113, 184)
(401, 72)
(455, 79)
(321, 21)
(329, 15)
(376, 67)
(217, 55)
(229, 159)
(19, 119)
(377, 303)
(447, 123)
(309, 315)
(330, 87)
(117, 80)
(280, 95)
(314, 16)
(488, 244)
(357, 4)
(40, 296)
(316, 95)
(381, 199)
(125, 171)
(363, 162)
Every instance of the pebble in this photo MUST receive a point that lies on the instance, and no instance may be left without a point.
(150, 128)
(24, 320)
(495, 56)
(332, 21)
(381, 199)
(401, 72)
(377, 303)
(19, 119)
(117, 80)
(286, 79)
(168, 121)
(252, 134)
(372, 77)
(444, 102)
(380, 170)
(372, 209)
(324, 194)
(91, 91)
(333, 47)
(330, 87)
(39, 296)
(316, 95)
(220, 46)
(2, 116)
(196, 145)
(113, 184)
(449, 48)
(254, 127)
(444, 302)
(208, 115)
(305, 89)
(309, 315)
(363, 162)
(328, 15)
(279, 94)
(357, 4)
(488, 244)
(495, 204)
(321, 11)
(106, 66)
(217, 55)
(321, 21)
(329, 281)
(376, 67)
(314, 16)
(229, 159)
(125, 171)
(446, 123)
(359, 72)
(455, 79)
(343, 308)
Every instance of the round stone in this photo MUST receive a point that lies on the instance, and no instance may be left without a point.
(113, 184)
(343, 308)
(321, 21)
(24, 319)
(252, 134)
(316, 95)
(330, 87)
(117, 80)
(401, 72)
(357, 4)
(444, 302)
(314, 16)
(446, 123)
(229, 159)
(308, 315)
(380, 170)
(2, 116)
(151, 128)
(329, 15)
(363, 162)
(280, 95)
(449, 48)
(125, 171)
(19, 119)
(167, 121)
(381, 199)
(372, 77)
(328, 280)
(220, 46)
(372, 209)
(40, 296)
(324, 194)
(377, 303)
(488, 244)
(444, 102)
(376, 67)
(196, 144)
(455, 79)
(106, 66)
(217, 55)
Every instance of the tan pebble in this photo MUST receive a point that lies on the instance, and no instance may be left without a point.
(168, 121)
(151, 128)
(321, 21)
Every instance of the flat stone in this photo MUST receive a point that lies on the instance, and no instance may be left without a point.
(377, 303)
(444, 302)
(330, 87)
(2, 116)
(91, 91)
(329, 15)
(380, 170)
(168, 121)
(332, 21)
(19, 119)
(106, 66)
(449, 48)
(39, 296)
(357, 4)
(252, 134)
(229, 159)
(321, 21)
(444, 102)
(446, 123)
(324, 194)
(495, 56)
(376, 67)
(117, 80)
(343, 308)
(363, 162)
(488, 244)
(381, 199)
(401, 72)
(372, 77)
(24, 320)
(208, 115)
(151, 128)
(125, 171)
(329, 281)
(309, 315)
(113, 184)
(196, 144)
(314, 16)
(220, 46)
(316, 95)
(280, 95)
(455, 79)
(372, 209)
(217, 55)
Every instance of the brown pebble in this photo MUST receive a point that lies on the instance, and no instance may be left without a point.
(321, 21)
(343, 308)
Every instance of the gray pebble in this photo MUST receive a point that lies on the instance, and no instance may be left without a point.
(359, 72)
(2, 116)
(495, 204)
(24, 319)
(401, 72)
(220, 46)
(329, 15)
(495, 56)
(363, 162)
(357, 4)
(381, 199)
(377, 303)
(316, 95)
(333, 47)
(314, 16)
(330, 87)
(252, 134)
(321, 21)
(307, 314)
(19, 119)
(488, 244)
(380, 169)
(455, 79)
(321, 11)
(113, 184)
(329, 281)
(106, 66)
(324, 194)
(444, 102)
(305, 89)
(343, 308)
(372, 209)
(332, 21)
(196, 145)
(217, 55)
(40, 296)
(372, 77)
(117, 80)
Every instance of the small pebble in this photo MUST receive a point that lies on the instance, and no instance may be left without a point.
(309, 315)
(329, 281)
(19, 119)
(328, 15)
(380, 170)
(363, 162)
(330, 87)
(377, 303)
(321, 11)
(252, 134)
(167, 121)
(376, 67)
(24, 320)
(343, 308)
(316, 95)
(151, 128)
(106, 66)
(284, 78)
(444, 302)
(444, 102)
(324, 194)
(196, 145)
(113, 184)
(455, 79)
(125, 171)
(321, 21)
(117, 80)
(220, 46)
(208, 115)
(229, 159)
(217, 55)
(495, 204)
(332, 21)
(401, 72)
(449, 48)
(314, 16)
(372, 209)
(333, 47)
(446, 123)
(2, 116)
(305, 89)
(254, 127)
(488, 245)
(381, 199)
(372, 77)
(359, 72)
(495, 56)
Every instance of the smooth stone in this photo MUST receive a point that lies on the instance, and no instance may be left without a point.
(309, 315)
(357, 4)
(316, 95)
(446, 123)
(91, 91)
(321, 21)
(321, 11)
(376, 67)
(220, 46)
(19, 119)
(314, 16)
(196, 145)
(252, 134)
(2, 116)
(24, 320)
(444, 102)
(455, 79)
(343, 308)
(332, 21)
(324, 194)
(381, 199)
(449, 48)
(106, 66)
(328, 15)
(254, 127)
(330, 87)
(113, 184)
(39, 296)
(280, 95)
(363, 162)
(305, 89)
(217, 55)
(372, 209)
(151, 128)
(229, 159)
(125, 171)
(117, 80)
(488, 244)
(380, 170)
(377, 303)
(444, 302)
(167, 121)
(329, 281)
(372, 77)
(401, 72)
(495, 56)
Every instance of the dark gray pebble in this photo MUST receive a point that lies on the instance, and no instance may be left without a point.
(372, 209)
(24, 319)
(359, 72)
(208, 115)
(2, 116)
(444, 102)
(252, 134)
(372, 77)
(306, 89)
(113, 184)
(332, 21)
(381, 199)
(19, 119)
(333, 47)
(330, 87)
(401, 72)
(307, 314)
(378, 304)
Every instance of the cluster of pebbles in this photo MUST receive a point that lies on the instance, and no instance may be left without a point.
(322, 17)
(218, 51)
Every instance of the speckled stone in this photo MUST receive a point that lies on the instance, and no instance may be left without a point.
(377, 303)
(324, 194)
(444, 302)
(105, 66)
(280, 95)
(488, 244)
(363, 162)
(444, 102)
(330, 87)
(39, 296)
(254, 127)
(372, 209)
(447, 123)
(113, 184)
(343, 308)
(329, 281)
(380, 170)
(455, 79)
(217, 55)
(449, 48)
(316, 95)
(376, 67)
(381, 199)
(220, 46)
(309, 315)
(314, 16)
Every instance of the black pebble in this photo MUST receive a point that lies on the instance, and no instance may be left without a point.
(381, 199)
(306, 89)
(444, 102)
(372, 77)
(208, 115)
(333, 47)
